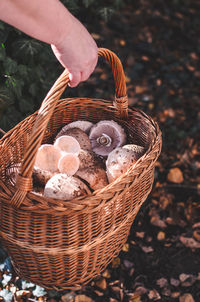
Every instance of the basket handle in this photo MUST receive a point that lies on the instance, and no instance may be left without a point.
(24, 178)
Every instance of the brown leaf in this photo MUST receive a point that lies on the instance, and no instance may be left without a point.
(162, 282)
(161, 236)
(155, 220)
(175, 175)
(83, 298)
(101, 283)
(190, 242)
(154, 295)
(186, 298)
(196, 235)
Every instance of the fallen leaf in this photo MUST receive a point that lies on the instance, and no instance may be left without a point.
(175, 295)
(125, 247)
(190, 242)
(116, 262)
(161, 236)
(196, 235)
(174, 282)
(162, 282)
(155, 220)
(82, 298)
(154, 295)
(186, 298)
(175, 175)
(147, 249)
(101, 283)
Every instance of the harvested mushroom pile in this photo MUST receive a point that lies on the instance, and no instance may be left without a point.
(84, 157)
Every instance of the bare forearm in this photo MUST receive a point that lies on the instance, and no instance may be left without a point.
(45, 20)
(50, 22)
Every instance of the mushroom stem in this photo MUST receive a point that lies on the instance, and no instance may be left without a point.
(104, 140)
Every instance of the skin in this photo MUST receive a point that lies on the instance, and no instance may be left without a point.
(50, 21)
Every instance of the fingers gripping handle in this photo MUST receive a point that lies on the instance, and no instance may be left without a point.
(24, 179)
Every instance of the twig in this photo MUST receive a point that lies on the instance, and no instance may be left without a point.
(3, 132)
(182, 186)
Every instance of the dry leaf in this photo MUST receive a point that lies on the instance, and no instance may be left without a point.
(190, 242)
(101, 283)
(186, 298)
(161, 236)
(175, 175)
(82, 298)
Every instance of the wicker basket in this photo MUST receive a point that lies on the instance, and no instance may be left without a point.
(64, 244)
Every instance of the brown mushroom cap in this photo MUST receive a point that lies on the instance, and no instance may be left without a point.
(105, 136)
(88, 158)
(95, 176)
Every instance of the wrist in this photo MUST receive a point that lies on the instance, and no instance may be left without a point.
(65, 27)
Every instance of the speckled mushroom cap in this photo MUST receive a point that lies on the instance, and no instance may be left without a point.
(118, 162)
(83, 125)
(105, 136)
(63, 186)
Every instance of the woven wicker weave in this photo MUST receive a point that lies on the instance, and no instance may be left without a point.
(64, 244)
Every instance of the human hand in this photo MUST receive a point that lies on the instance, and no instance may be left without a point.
(77, 52)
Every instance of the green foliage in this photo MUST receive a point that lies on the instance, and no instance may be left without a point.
(28, 67)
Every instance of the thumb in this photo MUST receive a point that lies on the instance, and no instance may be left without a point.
(74, 79)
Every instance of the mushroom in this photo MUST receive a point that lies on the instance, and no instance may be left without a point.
(13, 170)
(67, 144)
(91, 170)
(83, 125)
(88, 158)
(46, 164)
(65, 187)
(119, 161)
(40, 177)
(47, 158)
(139, 150)
(80, 136)
(94, 176)
(105, 136)
(69, 163)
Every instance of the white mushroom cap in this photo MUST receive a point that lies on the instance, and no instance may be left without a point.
(118, 162)
(68, 144)
(139, 150)
(47, 158)
(65, 187)
(69, 163)
(83, 125)
(105, 136)
(80, 136)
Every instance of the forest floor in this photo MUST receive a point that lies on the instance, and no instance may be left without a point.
(158, 43)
